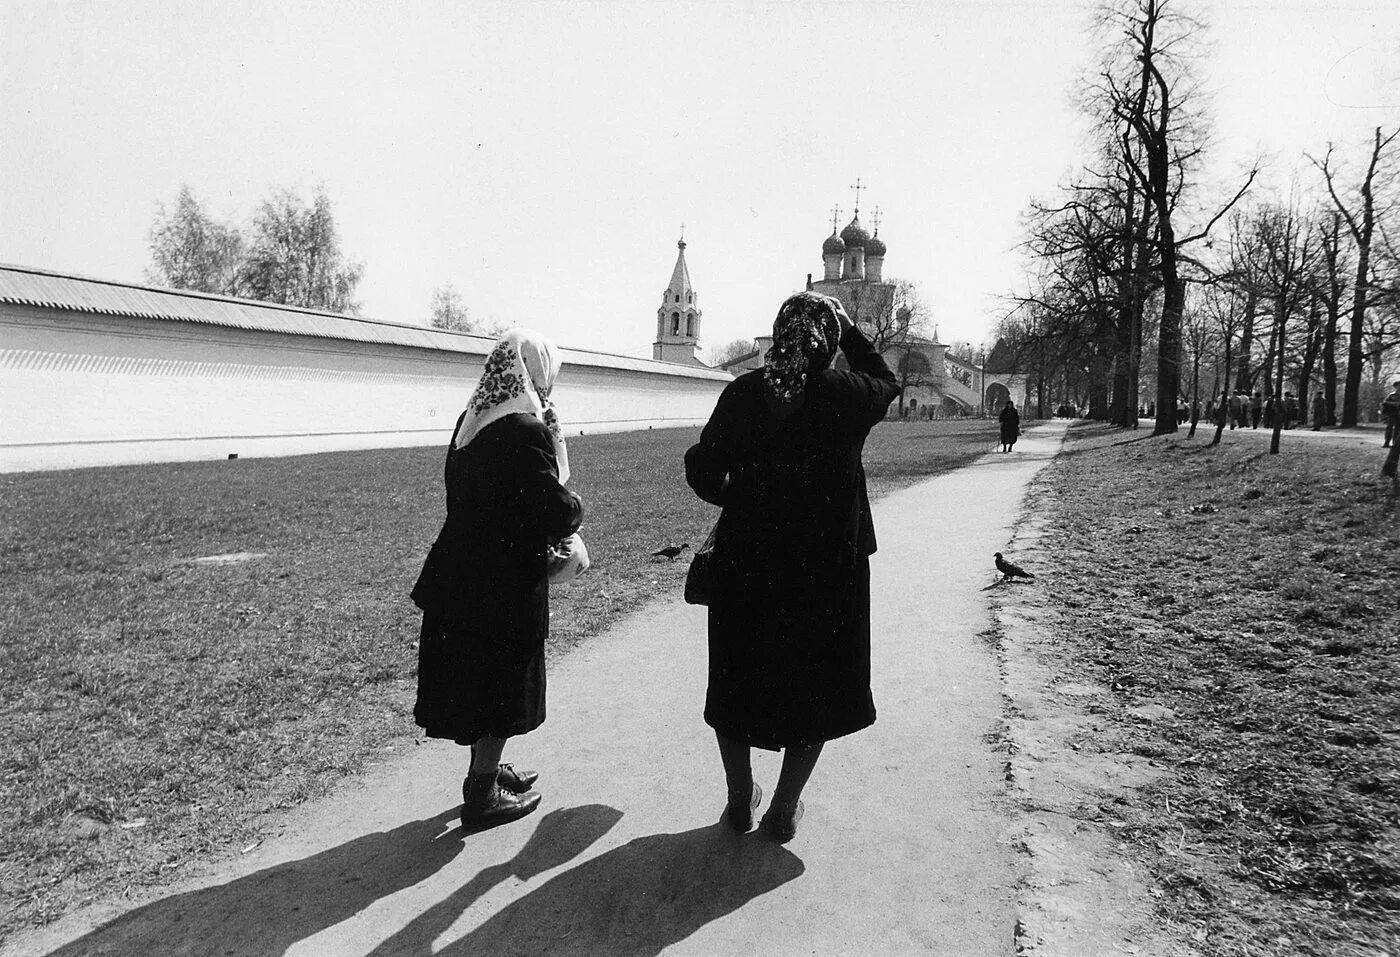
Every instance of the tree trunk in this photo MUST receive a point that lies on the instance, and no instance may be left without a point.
(1244, 378)
(1169, 336)
(1224, 411)
(1280, 320)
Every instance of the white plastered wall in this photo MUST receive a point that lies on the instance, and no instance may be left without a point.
(82, 389)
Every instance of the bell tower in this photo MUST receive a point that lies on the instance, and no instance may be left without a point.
(678, 319)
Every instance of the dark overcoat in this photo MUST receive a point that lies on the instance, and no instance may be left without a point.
(484, 590)
(1010, 421)
(789, 616)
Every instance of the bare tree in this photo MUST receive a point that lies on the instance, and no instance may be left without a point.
(1150, 90)
(731, 350)
(1361, 220)
(1289, 251)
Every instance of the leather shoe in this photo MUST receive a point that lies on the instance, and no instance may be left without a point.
(486, 804)
(782, 825)
(739, 813)
(516, 781)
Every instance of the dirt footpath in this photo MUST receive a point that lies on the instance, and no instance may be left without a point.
(909, 844)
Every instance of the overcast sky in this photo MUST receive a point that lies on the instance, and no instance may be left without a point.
(542, 156)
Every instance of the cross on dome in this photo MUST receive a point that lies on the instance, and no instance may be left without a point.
(857, 187)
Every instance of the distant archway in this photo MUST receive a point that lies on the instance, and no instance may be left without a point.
(996, 397)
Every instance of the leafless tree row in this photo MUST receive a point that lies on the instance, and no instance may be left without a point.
(1145, 279)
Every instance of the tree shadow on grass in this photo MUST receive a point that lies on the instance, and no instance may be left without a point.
(269, 911)
(633, 901)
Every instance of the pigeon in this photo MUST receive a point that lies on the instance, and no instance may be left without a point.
(1010, 571)
(670, 551)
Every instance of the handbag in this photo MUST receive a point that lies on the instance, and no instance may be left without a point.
(698, 580)
(567, 560)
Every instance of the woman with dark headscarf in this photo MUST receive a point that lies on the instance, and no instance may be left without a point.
(789, 614)
(484, 589)
(1010, 421)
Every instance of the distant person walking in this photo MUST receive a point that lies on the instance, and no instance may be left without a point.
(1010, 421)
(789, 615)
(1237, 409)
(1256, 409)
(484, 590)
(1319, 410)
(1390, 411)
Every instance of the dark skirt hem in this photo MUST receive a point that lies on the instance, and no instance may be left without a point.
(774, 744)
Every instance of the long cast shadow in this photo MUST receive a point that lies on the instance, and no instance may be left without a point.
(635, 900)
(559, 837)
(269, 911)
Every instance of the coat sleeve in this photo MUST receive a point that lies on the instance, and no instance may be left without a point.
(539, 503)
(707, 462)
(869, 386)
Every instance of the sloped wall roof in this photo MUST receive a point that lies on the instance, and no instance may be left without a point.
(23, 285)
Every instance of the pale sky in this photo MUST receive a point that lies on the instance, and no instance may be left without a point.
(542, 156)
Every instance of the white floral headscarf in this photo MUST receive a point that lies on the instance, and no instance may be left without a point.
(519, 375)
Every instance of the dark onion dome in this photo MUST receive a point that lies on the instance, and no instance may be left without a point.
(855, 234)
(833, 244)
(876, 246)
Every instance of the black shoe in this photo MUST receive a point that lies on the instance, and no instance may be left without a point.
(739, 814)
(782, 825)
(509, 778)
(486, 804)
(516, 781)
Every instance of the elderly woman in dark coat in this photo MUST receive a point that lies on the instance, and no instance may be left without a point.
(483, 589)
(1010, 421)
(789, 615)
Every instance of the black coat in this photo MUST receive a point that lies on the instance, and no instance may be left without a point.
(1010, 421)
(789, 616)
(483, 589)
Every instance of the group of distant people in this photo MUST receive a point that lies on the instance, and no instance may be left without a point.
(1240, 410)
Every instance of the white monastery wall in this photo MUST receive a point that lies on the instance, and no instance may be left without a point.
(82, 389)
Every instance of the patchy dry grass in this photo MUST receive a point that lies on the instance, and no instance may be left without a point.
(156, 710)
(1258, 598)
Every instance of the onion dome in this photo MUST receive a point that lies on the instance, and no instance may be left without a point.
(876, 246)
(854, 234)
(834, 244)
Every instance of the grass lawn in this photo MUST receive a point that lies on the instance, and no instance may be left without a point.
(1258, 598)
(156, 710)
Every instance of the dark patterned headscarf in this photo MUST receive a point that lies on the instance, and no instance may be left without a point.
(805, 336)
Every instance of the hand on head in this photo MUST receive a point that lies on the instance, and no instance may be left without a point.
(843, 320)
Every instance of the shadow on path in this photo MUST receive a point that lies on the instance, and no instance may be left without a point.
(634, 900)
(559, 837)
(268, 911)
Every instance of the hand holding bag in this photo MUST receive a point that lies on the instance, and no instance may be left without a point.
(567, 560)
(698, 579)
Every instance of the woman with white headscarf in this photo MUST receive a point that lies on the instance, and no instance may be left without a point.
(789, 618)
(484, 588)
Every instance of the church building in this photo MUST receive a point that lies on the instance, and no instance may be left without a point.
(853, 265)
(678, 318)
